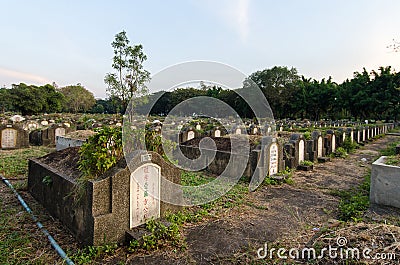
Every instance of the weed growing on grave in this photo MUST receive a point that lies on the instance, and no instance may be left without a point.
(91, 253)
(354, 202)
(306, 163)
(393, 160)
(159, 235)
(349, 146)
(307, 135)
(102, 151)
(340, 152)
(284, 176)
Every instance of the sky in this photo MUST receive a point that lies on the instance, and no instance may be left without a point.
(69, 42)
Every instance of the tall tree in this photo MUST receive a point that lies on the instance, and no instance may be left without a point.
(77, 98)
(129, 78)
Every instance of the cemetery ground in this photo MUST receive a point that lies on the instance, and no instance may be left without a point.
(308, 209)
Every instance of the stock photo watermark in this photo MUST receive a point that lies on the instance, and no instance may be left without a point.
(340, 250)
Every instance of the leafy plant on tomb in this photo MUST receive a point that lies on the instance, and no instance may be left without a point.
(306, 163)
(102, 151)
(349, 146)
(340, 152)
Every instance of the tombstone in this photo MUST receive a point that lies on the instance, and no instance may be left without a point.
(198, 127)
(190, 135)
(350, 133)
(50, 134)
(217, 133)
(273, 159)
(298, 143)
(44, 123)
(144, 194)
(238, 131)
(13, 136)
(17, 118)
(330, 142)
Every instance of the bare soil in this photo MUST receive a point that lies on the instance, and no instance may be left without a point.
(64, 161)
(302, 214)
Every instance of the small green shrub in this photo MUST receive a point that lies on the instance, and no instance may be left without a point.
(47, 180)
(102, 151)
(349, 146)
(340, 152)
(307, 135)
(306, 163)
(392, 160)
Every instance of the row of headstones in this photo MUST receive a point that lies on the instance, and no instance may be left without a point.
(291, 154)
(191, 133)
(14, 136)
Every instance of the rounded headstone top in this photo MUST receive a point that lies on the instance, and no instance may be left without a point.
(44, 123)
(296, 137)
(17, 118)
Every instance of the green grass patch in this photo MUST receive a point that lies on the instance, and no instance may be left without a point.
(354, 202)
(14, 163)
(390, 150)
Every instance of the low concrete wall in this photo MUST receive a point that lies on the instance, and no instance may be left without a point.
(385, 183)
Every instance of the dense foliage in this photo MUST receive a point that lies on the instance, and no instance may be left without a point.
(374, 95)
(77, 99)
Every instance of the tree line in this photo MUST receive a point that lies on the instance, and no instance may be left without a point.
(368, 95)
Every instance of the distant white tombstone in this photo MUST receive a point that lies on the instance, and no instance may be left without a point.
(180, 127)
(269, 129)
(344, 137)
(144, 194)
(32, 126)
(238, 131)
(273, 159)
(59, 132)
(17, 118)
(320, 146)
(198, 127)
(8, 138)
(44, 123)
(352, 136)
(217, 133)
(190, 135)
(364, 135)
(255, 130)
(52, 121)
(301, 151)
(66, 124)
(333, 143)
(118, 124)
(281, 129)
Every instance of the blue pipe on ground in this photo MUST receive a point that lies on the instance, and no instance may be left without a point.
(53, 242)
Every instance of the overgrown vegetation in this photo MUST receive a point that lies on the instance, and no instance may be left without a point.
(340, 152)
(102, 151)
(349, 146)
(91, 253)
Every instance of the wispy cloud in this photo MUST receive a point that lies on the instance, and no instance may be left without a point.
(234, 13)
(242, 17)
(17, 77)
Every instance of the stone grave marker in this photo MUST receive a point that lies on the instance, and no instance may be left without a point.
(8, 138)
(273, 159)
(144, 199)
(190, 135)
(217, 133)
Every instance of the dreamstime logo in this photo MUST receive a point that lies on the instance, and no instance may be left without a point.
(192, 74)
(340, 251)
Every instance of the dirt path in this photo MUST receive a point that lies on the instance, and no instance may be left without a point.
(285, 215)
